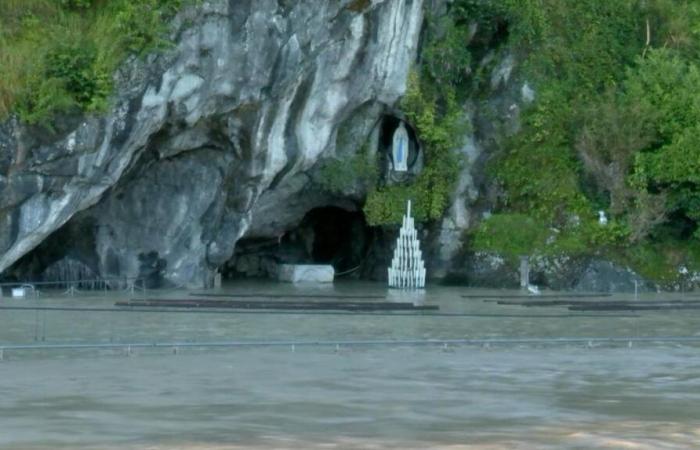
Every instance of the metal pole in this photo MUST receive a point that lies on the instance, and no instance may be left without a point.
(524, 272)
(43, 326)
(36, 325)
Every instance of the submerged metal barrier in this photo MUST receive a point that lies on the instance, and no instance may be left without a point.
(337, 344)
(42, 319)
(314, 312)
(74, 286)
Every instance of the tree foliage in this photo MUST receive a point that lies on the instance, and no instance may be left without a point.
(615, 125)
(511, 234)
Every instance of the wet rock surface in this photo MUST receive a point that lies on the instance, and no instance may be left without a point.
(604, 276)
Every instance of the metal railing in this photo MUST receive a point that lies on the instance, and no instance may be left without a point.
(444, 344)
(72, 287)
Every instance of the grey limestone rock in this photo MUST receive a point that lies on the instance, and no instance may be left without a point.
(203, 141)
(306, 273)
(604, 276)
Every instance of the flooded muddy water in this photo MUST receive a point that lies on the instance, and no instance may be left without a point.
(521, 394)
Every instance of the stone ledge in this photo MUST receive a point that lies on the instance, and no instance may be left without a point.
(305, 273)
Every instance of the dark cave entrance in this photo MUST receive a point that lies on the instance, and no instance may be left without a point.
(340, 237)
(326, 235)
(67, 255)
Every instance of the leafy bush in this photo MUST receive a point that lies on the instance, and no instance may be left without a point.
(141, 23)
(445, 58)
(660, 261)
(76, 4)
(59, 55)
(614, 126)
(77, 65)
(518, 234)
(511, 235)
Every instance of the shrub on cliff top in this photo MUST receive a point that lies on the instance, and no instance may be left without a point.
(59, 55)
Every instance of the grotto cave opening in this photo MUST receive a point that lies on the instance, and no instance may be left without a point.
(67, 255)
(326, 235)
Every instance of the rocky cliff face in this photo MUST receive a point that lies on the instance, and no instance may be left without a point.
(205, 143)
(211, 153)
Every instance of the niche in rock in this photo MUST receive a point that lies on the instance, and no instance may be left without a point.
(326, 235)
(388, 128)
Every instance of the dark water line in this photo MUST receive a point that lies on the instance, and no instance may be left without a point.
(277, 305)
(497, 296)
(308, 313)
(595, 304)
(286, 295)
(655, 307)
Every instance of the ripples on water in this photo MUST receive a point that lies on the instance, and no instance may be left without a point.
(468, 397)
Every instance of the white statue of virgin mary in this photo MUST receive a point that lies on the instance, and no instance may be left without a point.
(399, 149)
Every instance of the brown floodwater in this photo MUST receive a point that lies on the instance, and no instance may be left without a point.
(532, 391)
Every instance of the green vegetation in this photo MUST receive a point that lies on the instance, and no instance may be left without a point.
(438, 120)
(432, 107)
(59, 56)
(511, 234)
(615, 126)
(341, 175)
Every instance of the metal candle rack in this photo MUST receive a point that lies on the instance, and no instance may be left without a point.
(407, 269)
